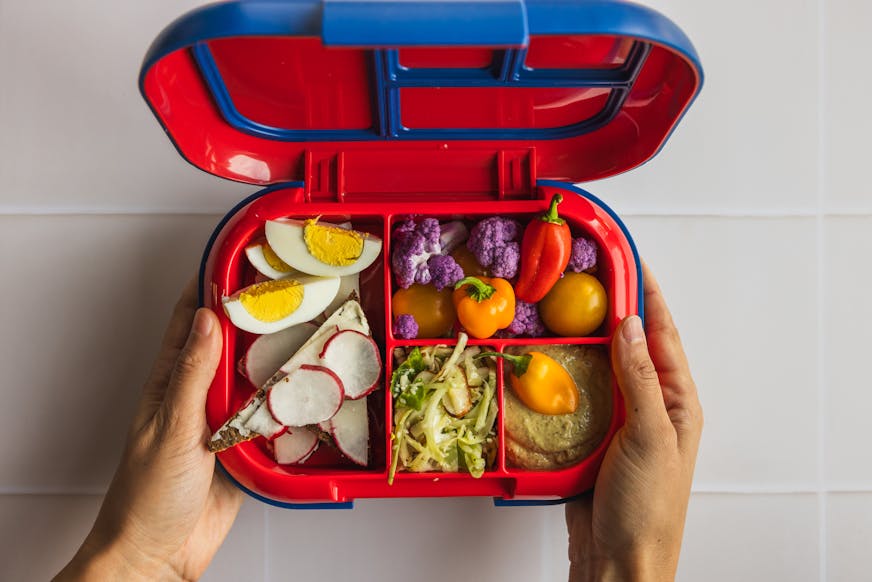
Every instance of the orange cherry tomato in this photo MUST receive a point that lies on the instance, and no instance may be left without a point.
(433, 310)
(468, 262)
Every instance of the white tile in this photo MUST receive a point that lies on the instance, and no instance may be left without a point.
(87, 299)
(243, 554)
(743, 292)
(847, 343)
(751, 537)
(727, 538)
(41, 533)
(750, 141)
(76, 133)
(849, 529)
(847, 123)
(422, 539)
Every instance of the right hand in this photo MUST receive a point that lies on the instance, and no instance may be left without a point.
(630, 528)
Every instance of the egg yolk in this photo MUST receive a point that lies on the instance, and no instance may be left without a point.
(273, 260)
(272, 300)
(332, 245)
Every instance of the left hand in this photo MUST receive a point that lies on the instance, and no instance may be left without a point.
(167, 510)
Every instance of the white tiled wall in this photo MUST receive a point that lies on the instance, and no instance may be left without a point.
(757, 218)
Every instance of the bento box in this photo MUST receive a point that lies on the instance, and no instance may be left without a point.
(368, 122)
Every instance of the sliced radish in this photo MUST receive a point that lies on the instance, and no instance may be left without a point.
(294, 446)
(350, 430)
(354, 357)
(268, 352)
(284, 430)
(263, 423)
(349, 316)
(307, 395)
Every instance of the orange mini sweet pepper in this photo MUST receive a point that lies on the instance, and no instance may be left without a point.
(541, 383)
(484, 305)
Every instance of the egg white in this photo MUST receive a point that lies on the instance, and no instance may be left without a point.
(258, 260)
(318, 293)
(285, 236)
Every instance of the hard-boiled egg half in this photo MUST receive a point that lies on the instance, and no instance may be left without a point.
(272, 306)
(323, 249)
(267, 262)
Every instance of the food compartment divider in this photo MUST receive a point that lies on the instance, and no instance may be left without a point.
(347, 482)
(501, 480)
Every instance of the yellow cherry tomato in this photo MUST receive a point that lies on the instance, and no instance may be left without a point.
(433, 310)
(575, 306)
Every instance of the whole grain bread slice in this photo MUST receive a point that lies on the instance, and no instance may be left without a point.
(236, 429)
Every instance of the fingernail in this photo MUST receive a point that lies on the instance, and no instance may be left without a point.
(632, 330)
(202, 323)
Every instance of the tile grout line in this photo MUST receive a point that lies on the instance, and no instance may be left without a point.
(821, 246)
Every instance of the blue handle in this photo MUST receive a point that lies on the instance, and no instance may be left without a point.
(391, 23)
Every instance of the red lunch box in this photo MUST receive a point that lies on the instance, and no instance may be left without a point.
(370, 111)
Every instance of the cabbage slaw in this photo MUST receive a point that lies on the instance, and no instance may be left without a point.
(445, 410)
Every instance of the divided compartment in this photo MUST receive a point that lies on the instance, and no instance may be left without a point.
(614, 265)
(327, 476)
(227, 270)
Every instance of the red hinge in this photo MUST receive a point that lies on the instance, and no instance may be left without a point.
(517, 173)
(449, 173)
(325, 176)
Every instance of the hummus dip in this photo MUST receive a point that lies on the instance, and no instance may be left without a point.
(545, 442)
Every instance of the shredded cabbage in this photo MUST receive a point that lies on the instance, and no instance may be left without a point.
(425, 436)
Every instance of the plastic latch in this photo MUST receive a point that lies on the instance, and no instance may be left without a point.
(379, 23)
(325, 173)
(517, 173)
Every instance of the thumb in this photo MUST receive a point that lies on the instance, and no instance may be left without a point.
(193, 372)
(637, 379)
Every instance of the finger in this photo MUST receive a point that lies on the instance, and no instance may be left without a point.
(664, 345)
(176, 333)
(192, 374)
(171, 345)
(579, 517)
(638, 381)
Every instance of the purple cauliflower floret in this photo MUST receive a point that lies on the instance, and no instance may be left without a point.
(506, 264)
(444, 271)
(414, 244)
(527, 320)
(405, 327)
(583, 255)
(493, 242)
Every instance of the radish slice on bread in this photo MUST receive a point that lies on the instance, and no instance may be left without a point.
(294, 446)
(308, 395)
(350, 430)
(268, 352)
(354, 357)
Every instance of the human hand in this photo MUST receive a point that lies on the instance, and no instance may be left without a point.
(167, 510)
(630, 528)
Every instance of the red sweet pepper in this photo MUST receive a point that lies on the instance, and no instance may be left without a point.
(545, 252)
